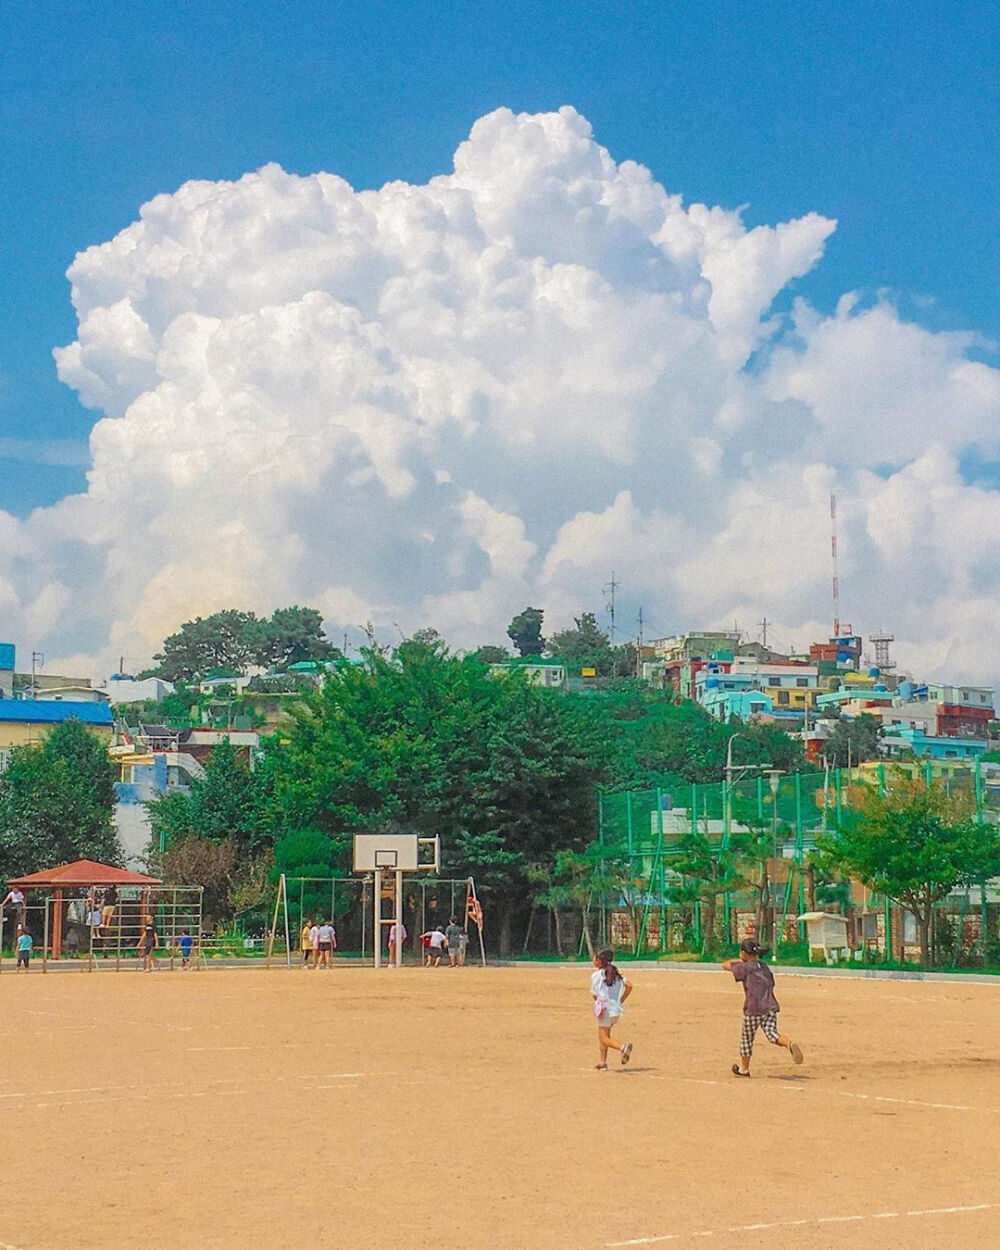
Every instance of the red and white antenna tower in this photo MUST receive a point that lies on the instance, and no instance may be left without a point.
(833, 554)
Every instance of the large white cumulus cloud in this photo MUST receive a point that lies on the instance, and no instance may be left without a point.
(434, 404)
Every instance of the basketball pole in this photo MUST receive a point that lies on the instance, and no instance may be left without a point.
(377, 918)
(399, 917)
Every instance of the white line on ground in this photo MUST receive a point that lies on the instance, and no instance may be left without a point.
(213, 1048)
(915, 1102)
(825, 1219)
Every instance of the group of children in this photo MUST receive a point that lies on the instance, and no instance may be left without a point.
(317, 942)
(609, 990)
(439, 942)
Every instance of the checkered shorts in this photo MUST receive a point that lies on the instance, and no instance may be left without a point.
(768, 1022)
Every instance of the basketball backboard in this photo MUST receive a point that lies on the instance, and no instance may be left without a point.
(392, 852)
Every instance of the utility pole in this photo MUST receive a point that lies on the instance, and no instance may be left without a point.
(609, 590)
(764, 624)
(638, 646)
(37, 661)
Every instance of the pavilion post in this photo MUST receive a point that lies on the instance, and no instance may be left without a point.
(57, 903)
(45, 937)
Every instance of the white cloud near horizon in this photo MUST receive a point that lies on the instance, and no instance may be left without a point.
(435, 404)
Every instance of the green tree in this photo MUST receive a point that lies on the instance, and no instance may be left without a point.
(229, 803)
(291, 636)
(852, 742)
(227, 640)
(489, 654)
(425, 741)
(914, 844)
(57, 803)
(707, 871)
(584, 646)
(525, 631)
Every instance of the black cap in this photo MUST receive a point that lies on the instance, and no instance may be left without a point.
(751, 947)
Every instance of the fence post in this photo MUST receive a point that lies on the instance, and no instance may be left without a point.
(800, 849)
(45, 937)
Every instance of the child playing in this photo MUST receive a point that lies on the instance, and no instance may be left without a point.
(609, 989)
(186, 942)
(760, 1009)
(24, 945)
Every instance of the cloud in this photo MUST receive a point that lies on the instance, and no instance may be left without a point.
(434, 404)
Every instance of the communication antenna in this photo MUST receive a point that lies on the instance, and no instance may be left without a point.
(609, 590)
(638, 645)
(764, 624)
(37, 661)
(881, 641)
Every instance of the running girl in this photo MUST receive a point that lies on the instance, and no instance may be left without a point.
(609, 989)
(760, 1008)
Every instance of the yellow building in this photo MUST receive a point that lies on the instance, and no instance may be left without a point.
(24, 721)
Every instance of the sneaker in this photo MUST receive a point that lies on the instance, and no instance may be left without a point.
(796, 1050)
(738, 1071)
(626, 1053)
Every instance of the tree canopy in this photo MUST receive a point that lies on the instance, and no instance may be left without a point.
(525, 631)
(914, 843)
(56, 803)
(234, 641)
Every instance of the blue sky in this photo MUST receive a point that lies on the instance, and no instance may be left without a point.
(883, 116)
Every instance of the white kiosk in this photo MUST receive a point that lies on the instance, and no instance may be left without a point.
(396, 853)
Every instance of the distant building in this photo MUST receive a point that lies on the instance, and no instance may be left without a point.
(123, 689)
(23, 721)
(926, 746)
(8, 658)
(70, 694)
(539, 671)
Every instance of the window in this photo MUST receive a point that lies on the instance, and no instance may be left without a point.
(910, 934)
(783, 697)
(802, 681)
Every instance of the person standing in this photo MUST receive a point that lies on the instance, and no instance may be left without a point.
(148, 941)
(305, 942)
(609, 990)
(760, 1007)
(397, 934)
(94, 922)
(453, 936)
(314, 942)
(327, 942)
(24, 944)
(186, 943)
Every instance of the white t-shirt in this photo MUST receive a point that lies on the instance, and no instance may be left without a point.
(314, 937)
(610, 995)
(437, 940)
(326, 933)
(402, 933)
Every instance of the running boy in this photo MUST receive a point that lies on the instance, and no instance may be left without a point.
(609, 989)
(760, 1009)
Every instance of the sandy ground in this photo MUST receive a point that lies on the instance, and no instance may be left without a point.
(436, 1108)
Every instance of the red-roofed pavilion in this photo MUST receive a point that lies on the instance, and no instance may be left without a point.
(82, 874)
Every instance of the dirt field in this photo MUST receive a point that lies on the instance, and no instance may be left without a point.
(432, 1108)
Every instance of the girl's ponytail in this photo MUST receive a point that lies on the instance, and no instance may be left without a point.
(611, 973)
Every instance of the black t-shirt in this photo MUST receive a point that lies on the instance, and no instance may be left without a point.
(149, 936)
